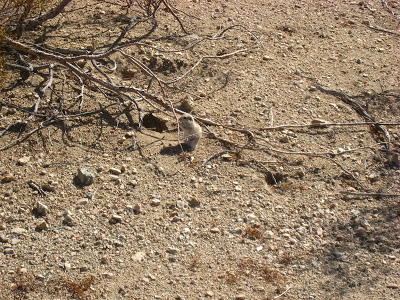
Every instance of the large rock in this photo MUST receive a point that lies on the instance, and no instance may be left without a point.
(85, 176)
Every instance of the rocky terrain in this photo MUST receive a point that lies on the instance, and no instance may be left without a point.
(91, 208)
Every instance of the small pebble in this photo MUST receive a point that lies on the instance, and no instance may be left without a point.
(115, 171)
(209, 294)
(238, 188)
(137, 209)
(18, 230)
(49, 186)
(267, 58)
(82, 202)
(8, 178)
(3, 238)
(68, 220)
(155, 202)
(41, 209)
(8, 251)
(42, 225)
(115, 219)
(215, 230)
(107, 275)
(172, 250)
(23, 160)
(138, 256)
(268, 234)
(193, 202)
(85, 176)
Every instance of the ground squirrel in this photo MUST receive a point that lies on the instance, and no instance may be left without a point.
(191, 131)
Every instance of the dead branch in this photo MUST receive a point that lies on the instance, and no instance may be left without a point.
(383, 30)
(369, 194)
(215, 155)
(284, 292)
(357, 107)
(52, 13)
(19, 140)
(347, 172)
(42, 93)
(281, 127)
(168, 6)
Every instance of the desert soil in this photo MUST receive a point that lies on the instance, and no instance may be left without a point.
(263, 223)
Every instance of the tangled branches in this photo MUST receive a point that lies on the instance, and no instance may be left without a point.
(68, 71)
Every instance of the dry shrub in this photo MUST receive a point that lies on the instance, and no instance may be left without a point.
(23, 284)
(79, 289)
(255, 268)
(253, 233)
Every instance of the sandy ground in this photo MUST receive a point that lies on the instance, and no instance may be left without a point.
(264, 222)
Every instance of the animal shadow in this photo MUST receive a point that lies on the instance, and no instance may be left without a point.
(175, 150)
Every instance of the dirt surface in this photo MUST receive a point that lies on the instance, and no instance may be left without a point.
(262, 223)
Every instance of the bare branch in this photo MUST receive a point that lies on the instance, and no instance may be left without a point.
(52, 13)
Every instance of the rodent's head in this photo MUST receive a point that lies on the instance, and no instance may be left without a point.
(186, 122)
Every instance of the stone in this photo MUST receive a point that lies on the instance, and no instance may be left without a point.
(181, 204)
(85, 176)
(138, 256)
(172, 250)
(107, 275)
(67, 266)
(155, 201)
(194, 202)
(41, 209)
(115, 219)
(8, 251)
(268, 234)
(68, 220)
(187, 104)
(259, 288)
(300, 173)
(8, 177)
(227, 157)
(49, 186)
(115, 171)
(42, 225)
(267, 58)
(251, 217)
(23, 160)
(285, 139)
(240, 297)
(83, 268)
(237, 230)
(3, 238)
(238, 188)
(215, 230)
(209, 294)
(137, 209)
(18, 231)
(132, 183)
(320, 231)
(312, 88)
(82, 202)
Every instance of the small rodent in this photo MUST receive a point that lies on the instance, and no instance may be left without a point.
(191, 131)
